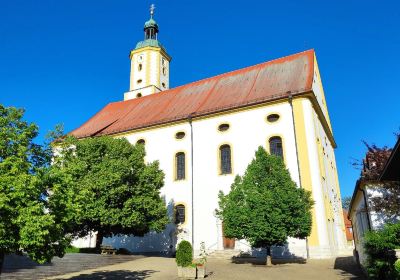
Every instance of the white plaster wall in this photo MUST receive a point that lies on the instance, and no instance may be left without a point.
(164, 78)
(154, 60)
(248, 130)
(378, 219)
(331, 188)
(88, 241)
(360, 225)
(135, 73)
(315, 174)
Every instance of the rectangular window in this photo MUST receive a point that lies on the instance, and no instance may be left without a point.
(180, 166)
(180, 214)
(225, 156)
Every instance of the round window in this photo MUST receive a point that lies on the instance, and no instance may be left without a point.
(273, 118)
(223, 127)
(180, 135)
(141, 142)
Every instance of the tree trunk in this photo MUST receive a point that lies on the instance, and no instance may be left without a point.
(268, 261)
(99, 241)
(2, 255)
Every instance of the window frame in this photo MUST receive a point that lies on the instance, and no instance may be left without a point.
(176, 212)
(220, 159)
(176, 166)
(272, 114)
(282, 143)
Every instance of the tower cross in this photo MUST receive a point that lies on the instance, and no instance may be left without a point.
(152, 8)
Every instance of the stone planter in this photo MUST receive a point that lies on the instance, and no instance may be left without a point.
(201, 271)
(188, 272)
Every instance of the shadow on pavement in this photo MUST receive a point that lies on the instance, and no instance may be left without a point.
(349, 268)
(262, 261)
(116, 275)
(14, 262)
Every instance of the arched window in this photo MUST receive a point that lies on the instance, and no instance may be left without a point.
(141, 142)
(140, 67)
(275, 146)
(180, 166)
(225, 158)
(180, 214)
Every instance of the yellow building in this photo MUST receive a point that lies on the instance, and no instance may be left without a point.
(206, 132)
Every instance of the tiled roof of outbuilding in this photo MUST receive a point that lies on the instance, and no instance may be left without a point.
(260, 83)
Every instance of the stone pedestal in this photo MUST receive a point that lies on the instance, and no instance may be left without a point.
(187, 272)
(201, 271)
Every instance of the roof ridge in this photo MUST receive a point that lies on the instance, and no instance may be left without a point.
(266, 81)
(221, 75)
(242, 69)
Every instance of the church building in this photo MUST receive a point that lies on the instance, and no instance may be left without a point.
(205, 133)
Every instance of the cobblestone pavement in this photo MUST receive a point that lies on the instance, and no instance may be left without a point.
(159, 268)
(21, 267)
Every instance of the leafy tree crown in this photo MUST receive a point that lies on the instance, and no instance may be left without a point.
(264, 205)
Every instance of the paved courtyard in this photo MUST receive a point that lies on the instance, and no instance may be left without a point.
(21, 267)
(84, 266)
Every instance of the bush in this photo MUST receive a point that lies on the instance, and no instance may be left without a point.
(184, 254)
(379, 247)
(397, 267)
(71, 249)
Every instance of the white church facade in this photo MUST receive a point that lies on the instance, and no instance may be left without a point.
(205, 133)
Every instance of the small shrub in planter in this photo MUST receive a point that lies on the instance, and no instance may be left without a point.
(184, 259)
(184, 254)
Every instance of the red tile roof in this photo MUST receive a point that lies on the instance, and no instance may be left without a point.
(267, 81)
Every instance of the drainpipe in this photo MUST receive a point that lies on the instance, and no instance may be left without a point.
(290, 99)
(366, 206)
(191, 167)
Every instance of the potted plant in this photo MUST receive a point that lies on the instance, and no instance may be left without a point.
(184, 260)
(201, 263)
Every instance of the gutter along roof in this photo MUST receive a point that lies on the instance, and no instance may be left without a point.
(268, 81)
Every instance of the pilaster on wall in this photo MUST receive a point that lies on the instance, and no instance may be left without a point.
(318, 235)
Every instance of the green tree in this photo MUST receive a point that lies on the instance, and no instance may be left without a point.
(265, 206)
(27, 223)
(346, 202)
(108, 186)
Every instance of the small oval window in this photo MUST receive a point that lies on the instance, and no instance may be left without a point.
(223, 127)
(180, 135)
(139, 81)
(163, 85)
(139, 95)
(141, 142)
(273, 118)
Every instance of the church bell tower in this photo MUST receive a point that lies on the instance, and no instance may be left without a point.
(149, 63)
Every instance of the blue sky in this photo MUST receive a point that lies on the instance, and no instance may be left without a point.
(64, 60)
